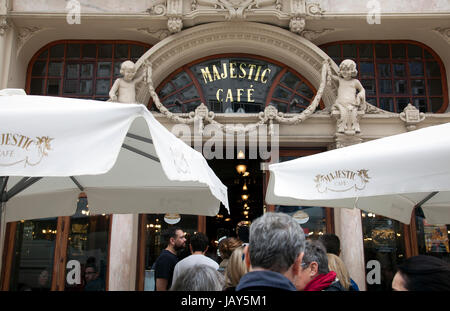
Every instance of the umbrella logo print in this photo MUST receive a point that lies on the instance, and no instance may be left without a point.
(342, 181)
(17, 148)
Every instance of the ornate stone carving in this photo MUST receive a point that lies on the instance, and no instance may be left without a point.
(350, 104)
(314, 34)
(173, 9)
(236, 8)
(314, 9)
(175, 24)
(297, 24)
(4, 25)
(443, 32)
(25, 34)
(160, 33)
(269, 115)
(411, 116)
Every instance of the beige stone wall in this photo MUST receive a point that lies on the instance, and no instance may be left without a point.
(387, 6)
(87, 6)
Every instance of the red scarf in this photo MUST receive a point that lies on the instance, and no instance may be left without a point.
(321, 282)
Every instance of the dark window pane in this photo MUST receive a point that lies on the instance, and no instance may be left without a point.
(421, 104)
(386, 103)
(433, 69)
(43, 54)
(367, 69)
(117, 68)
(102, 87)
(382, 50)
(189, 93)
(414, 51)
(366, 50)
(369, 86)
(401, 87)
(436, 103)
(55, 69)
(121, 51)
(53, 86)
(37, 87)
(281, 93)
(73, 50)
(89, 51)
(87, 70)
(398, 51)
(290, 80)
(384, 70)
(181, 80)
(427, 54)
(385, 86)
(166, 90)
(34, 250)
(39, 68)
(434, 87)
(305, 91)
(103, 69)
(399, 70)
(334, 51)
(349, 51)
(71, 86)
(105, 51)
(137, 51)
(402, 103)
(416, 69)
(57, 51)
(418, 87)
(86, 87)
(372, 101)
(72, 71)
(282, 107)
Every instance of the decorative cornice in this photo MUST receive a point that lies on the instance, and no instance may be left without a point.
(444, 33)
(314, 34)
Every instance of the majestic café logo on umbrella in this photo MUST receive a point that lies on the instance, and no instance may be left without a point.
(342, 181)
(16, 148)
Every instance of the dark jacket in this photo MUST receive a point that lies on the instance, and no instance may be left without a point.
(265, 280)
(336, 286)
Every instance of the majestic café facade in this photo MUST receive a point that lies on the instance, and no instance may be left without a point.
(228, 63)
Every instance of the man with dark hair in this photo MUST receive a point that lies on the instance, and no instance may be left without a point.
(198, 247)
(314, 274)
(274, 253)
(331, 242)
(91, 275)
(167, 260)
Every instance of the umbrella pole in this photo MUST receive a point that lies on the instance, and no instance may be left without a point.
(3, 183)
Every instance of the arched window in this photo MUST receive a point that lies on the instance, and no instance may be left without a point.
(235, 83)
(395, 73)
(81, 69)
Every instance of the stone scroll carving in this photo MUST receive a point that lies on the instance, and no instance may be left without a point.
(4, 25)
(411, 116)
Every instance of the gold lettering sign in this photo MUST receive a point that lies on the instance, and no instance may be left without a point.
(17, 148)
(231, 70)
(342, 181)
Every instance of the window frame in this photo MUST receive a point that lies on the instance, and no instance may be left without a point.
(390, 60)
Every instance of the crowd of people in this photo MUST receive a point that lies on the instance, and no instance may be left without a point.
(274, 254)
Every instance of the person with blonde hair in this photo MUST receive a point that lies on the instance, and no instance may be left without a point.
(226, 248)
(337, 265)
(235, 269)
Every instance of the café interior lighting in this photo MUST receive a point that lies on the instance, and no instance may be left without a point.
(241, 168)
(241, 155)
(244, 197)
(245, 187)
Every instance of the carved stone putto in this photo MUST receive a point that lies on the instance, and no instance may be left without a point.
(411, 116)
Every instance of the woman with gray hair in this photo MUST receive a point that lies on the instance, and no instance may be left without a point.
(199, 278)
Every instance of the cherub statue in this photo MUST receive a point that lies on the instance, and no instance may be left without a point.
(351, 98)
(124, 89)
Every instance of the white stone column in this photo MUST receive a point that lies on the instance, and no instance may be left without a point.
(5, 50)
(348, 227)
(123, 252)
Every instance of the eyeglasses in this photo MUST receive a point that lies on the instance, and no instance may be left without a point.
(304, 265)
